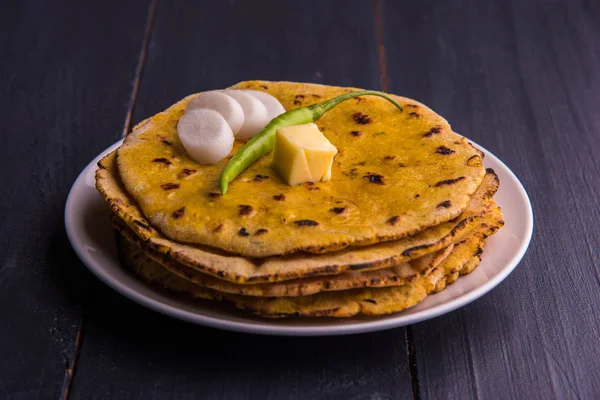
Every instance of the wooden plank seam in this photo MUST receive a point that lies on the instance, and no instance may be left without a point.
(409, 339)
(72, 366)
(140, 67)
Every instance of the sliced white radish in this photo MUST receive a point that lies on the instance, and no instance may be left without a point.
(255, 114)
(273, 106)
(225, 105)
(205, 134)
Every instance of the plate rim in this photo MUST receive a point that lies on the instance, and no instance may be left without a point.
(265, 328)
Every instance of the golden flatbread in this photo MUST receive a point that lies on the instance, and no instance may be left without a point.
(346, 303)
(248, 270)
(393, 276)
(396, 174)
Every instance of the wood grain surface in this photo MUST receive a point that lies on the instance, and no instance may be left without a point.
(65, 90)
(520, 78)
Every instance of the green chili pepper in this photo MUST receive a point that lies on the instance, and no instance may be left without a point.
(264, 141)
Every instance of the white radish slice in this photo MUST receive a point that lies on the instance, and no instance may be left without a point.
(225, 105)
(205, 134)
(273, 106)
(255, 114)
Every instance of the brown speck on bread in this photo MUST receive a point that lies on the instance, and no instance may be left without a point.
(338, 210)
(179, 213)
(219, 228)
(306, 222)
(261, 231)
(356, 133)
(415, 114)
(260, 178)
(162, 160)
(393, 220)
(243, 232)
(279, 197)
(449, 181)
(444, 150)
(433, 131)
(360, 118)
(214, 194)
(187, 172)
(245, 209)
(170, 186)
(444, 204)
(375, 178)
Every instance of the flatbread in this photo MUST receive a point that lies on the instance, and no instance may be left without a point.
(378, 301)
(366, 301)
(397, 275)
(332, 304)
(462, 261)
(238, 269)
(396, 174)
(370, 301)
(149, 270)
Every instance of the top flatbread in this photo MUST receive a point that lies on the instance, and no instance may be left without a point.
(238, 269)
(396, 173)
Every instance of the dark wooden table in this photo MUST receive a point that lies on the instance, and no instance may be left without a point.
(520, 77)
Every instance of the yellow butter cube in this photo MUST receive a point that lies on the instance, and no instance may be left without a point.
(302, 154)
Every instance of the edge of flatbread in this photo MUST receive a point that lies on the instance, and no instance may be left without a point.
(245, 270)
(396, 275)
(465, 256)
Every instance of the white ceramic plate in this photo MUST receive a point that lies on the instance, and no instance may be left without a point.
(90, 233)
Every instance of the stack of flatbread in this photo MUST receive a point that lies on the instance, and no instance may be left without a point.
(407, 211)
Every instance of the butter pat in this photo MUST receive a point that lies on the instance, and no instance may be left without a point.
(302, 154)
